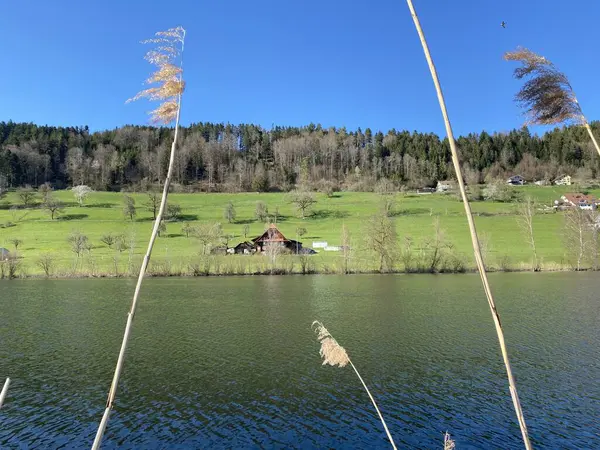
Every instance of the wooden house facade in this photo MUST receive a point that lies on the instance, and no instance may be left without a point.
(272, 236)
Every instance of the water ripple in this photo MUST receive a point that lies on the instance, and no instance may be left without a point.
(232, 363)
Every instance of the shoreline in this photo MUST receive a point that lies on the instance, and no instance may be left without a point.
(279, 273)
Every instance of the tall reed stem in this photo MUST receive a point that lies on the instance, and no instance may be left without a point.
(375, 405)
(589, 130)
(4, 391)
(119, 367)
(472, 230)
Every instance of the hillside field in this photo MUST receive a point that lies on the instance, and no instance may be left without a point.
(174, 253)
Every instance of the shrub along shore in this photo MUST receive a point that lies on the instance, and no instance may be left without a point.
(64, 234)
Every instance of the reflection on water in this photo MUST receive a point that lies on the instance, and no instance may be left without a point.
(232, 362)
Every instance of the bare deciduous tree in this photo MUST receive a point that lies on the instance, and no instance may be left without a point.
(152, 203)
(187, 229)
(162, 228)
(272, 251)
(79, 242)
(208, 234)
(27, 196)
(45, 190)
(53, 206)
(345, 242)
(108, 239)
(303, 200)
(525, 220)
(246, 230)
(381, 240)
(578, 236)
(436, 247)
(122, 243)
(229, 212)
(261, 211)
(595, 235)
(407, 254)
(173, 212)
(16, 242)
(300, 231)
(129, 209)
(46, 263)
(388, 204)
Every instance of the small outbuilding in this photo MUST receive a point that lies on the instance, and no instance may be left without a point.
(244, 248)
(446, 186)
(516, 180)
(4, 254)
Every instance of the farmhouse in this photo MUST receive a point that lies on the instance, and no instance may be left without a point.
(446, 185)
(579, 200)
(564, 180)
(272, 236)
(516, 180)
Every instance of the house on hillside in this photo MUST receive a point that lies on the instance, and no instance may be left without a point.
(4, 254)
(445, 186)
(579, 200)
(272, 236)
(516, 180)
(564, 180)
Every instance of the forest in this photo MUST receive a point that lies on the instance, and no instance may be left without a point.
(249, 158)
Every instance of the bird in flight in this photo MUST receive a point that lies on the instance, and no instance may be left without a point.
(503, 24)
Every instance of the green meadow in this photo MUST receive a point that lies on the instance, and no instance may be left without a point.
(506, 247)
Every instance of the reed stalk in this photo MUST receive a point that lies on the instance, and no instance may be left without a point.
(473, 231)
(171, 85)
(4, 391)
(335, 355)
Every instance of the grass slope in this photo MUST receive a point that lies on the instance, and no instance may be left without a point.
(102, 213)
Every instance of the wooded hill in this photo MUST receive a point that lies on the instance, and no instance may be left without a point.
(219, 157)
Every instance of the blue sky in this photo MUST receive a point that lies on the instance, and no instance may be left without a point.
(291, 63)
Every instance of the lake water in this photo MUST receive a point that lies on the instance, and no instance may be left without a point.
(232, 362)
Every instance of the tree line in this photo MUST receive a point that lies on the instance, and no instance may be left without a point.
(223, 157)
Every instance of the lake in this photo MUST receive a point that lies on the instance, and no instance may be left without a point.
(232, 362)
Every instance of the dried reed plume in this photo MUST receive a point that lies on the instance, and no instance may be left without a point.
(547, 96)
(169, 77)
(473, 231)
(448, 442)
(335, 355)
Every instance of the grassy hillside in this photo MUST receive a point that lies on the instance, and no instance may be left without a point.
(414, 215)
